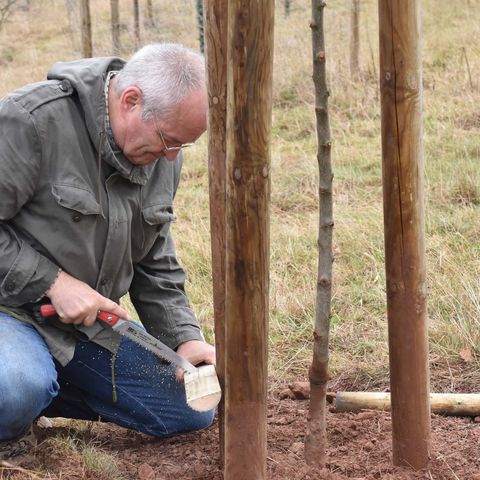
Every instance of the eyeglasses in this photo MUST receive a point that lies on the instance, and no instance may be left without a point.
(176, 148)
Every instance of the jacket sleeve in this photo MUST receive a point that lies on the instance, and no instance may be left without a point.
(158, 294)
(25, 275)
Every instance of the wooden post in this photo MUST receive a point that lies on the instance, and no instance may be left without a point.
(461, 404)
(315, 440)
(249, 103)
(115, 22)
(216, 15)
(355, 40)
(87, 50)
(401, 99)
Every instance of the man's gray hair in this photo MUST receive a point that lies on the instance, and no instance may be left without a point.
(166, 73)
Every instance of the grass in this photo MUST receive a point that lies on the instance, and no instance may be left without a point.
(451, 164)
(79, 449)
(359, 354)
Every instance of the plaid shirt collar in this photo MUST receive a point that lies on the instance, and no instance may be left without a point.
(108, 127)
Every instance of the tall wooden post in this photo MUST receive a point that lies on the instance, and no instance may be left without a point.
(401, 95)
(249, 103)
(216, 15)
(87, 50)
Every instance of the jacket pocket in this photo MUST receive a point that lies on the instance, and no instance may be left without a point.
(155, 224)
(76, 198)
(158, 215)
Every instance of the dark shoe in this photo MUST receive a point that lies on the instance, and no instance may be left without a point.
(18, 452)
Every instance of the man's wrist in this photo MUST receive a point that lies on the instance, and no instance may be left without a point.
(49, 290)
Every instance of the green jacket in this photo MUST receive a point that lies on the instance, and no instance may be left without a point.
(69, 200)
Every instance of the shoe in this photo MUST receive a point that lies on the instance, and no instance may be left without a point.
(18, 452)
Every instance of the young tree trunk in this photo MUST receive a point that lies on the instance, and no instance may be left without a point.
(355, 40)
(403, 203)
(115, 22)
(136, 23)
(149, 19)
(249, 120)
(87, 50)
(200, 25)
(216, 15)
(315, 441)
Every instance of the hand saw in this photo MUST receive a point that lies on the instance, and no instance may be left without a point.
(202, 388)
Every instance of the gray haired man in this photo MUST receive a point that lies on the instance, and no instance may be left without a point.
(89, 165)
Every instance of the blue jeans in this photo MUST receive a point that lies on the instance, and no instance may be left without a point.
(33, 383)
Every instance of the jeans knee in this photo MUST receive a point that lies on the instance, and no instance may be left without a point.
(199, 420)
(189, 421)
(23, 395)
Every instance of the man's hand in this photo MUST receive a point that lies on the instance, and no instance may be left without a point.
(196, 351)
(77, 303)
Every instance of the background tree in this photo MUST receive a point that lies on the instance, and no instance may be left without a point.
(136, 23)
(149, 19)
(87, 49)
(115, 23)
(200, 25)
(70, 6)
(355, 40)
(6, 8)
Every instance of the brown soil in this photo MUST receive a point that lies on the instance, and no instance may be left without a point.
(359, 449)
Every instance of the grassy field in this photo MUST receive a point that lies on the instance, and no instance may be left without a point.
(34, 39)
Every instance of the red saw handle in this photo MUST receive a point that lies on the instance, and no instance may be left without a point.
(48, 310)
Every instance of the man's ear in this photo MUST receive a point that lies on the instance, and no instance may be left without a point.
(131, 98)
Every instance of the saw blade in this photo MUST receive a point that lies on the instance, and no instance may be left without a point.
(150, 343)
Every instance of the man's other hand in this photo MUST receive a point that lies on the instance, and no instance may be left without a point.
(195, 351)
(77, 303)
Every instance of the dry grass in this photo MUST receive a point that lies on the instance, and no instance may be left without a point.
(32, 40)
(359, 357)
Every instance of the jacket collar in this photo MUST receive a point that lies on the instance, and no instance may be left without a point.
(88, 77)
